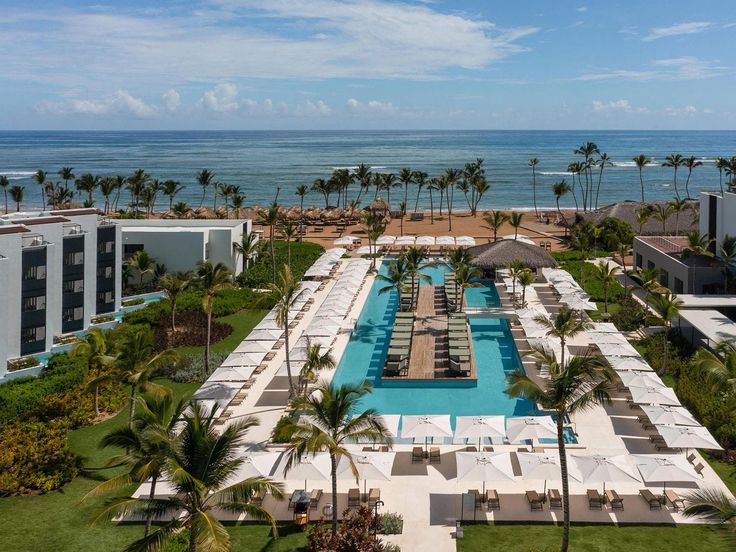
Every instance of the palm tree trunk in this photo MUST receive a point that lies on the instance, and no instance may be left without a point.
(598, 188)
(449, 212)
(666, 347)
(677, 192)
(431, 207)
(333, 473)
(133, 393)
(273, 255)
(173, 316)
(565, 485)
(419, 190)
(149, 515)
(288, 359)
(562, 351)
(534, 191)
(192, 541)
(641, 181)
(288, 250)
(6, 200)
(207, 343)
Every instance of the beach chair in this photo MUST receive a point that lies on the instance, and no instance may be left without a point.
(535, 501)
(613, 498)
(314, 498)
(492, 499)
(353, 498)
(471, 448)
(676, 500)
(478, 498)
(595, 502)
(555, 499)
(699, 469)
(650, 498)
(417, 455)
(434, 455)
(374, 495)
(691, 457)
(293, 499)
(487, 449)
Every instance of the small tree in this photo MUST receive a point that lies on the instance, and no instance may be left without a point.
(526, 278)
(494, 221)
(211, 278)
(98, 351)
(605, 275)
(515, 222)
(143, 263)
(565, 325)
(174, 284)
(667, 306)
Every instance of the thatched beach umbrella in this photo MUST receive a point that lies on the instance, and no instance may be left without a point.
(379, 206)
(500, 254)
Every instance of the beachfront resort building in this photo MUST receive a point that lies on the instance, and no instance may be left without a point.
(59, 270)
(180, 244)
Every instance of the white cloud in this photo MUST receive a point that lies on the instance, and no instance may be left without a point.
(121, 102)
(220, 99)
(686, 111)
(682, 68)
(171, 99)
(616, 106)
(372, 106)
(692, 27)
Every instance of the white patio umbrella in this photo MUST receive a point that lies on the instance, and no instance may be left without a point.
(480, 427)
(265, 335)
(655, 394)
(269, 323)
(425, 240)
(631, 378)
(375, 466)
(250, 358)
(309, 468)
(445, 240)
(540, 466)
(386, 240)
(629, 363)
(465, 241)
(576, 302)
(255, 464)
(605, 327)
(239, 359)
(656, 468)
(530, 313)
(688, 437)
(416, 427)
(481, 466)
(316, 330)
(367, 250)
(597, 468)
(405, 240)
(232, 373)
(669, 415)
(607, 337)
(530, 427)
(345, 240)
(617, 349)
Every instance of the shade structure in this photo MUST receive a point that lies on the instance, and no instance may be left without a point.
(232, 373)
(688, 437)
(222, 392)
(255, 347)
(310, 468)
(265, 335)
(322, 329)
(631, 378)
(255, 464)
(405, 240)
(269, 323)
(482, 466)
(597, 468)
(480, 427)
(375, 466)
(530, 313)
(654, 395)
(664, 468)
(669, 415)
(542, 466)
(253, 358)
(391, 422)
(500, 254)
(345, 240)
(465, 241)
(629, 363)
(445, 240)
(386, 240)
(617, 349)
(425, 240)
(530, 427)
(367, 250)
(607, 337)
(426, 427)
(577, 302)
(239, 359)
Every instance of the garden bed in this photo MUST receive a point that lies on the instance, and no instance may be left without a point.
(191, 331)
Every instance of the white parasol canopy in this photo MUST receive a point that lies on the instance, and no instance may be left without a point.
(481, 466)
(255, 464)
(669, 415)
(425, 240)
(629, 363)
(542, 466)
(656, 468)
(232, 373)
(656, 394)
(607, 337)
(530, 427)
(375, 466)
(597, 468)
(386, 240)
(367, 250)
(265, 335)
(252, 358)
(405, 240)
(605, 327)
(437, 425)
(345, 240)
(240, 359)
(688, 437)
(465, 241)
(479, 427)
(631, 378)
(445, 240)
(310, 468)
(617, 349)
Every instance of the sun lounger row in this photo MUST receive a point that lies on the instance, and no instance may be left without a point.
(325, 266)
(419, 455)
(399, 348)
(459, 344)
(452, 292)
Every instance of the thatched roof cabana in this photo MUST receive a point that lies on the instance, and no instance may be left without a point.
(626, 211)
(379, 206)
(500, 254)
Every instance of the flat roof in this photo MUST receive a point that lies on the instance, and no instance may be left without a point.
(707, 301)
(12, 229)
(711, 323)
(40, 220)
(72, 212)
(183, 223)
(665, 244)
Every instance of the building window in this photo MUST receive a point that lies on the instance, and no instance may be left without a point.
(74, 286)
(105, 297)
(650, 265)
(664, 277)
(74, 259)
(679, 286)
(130, 249)
(38, 302)
(29, 335)
(106, 247)
(72, 314)
(104, 272)
(639, 261)
(35, 272)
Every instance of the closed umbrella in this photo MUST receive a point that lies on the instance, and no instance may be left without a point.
(375, 466)
(530, 427)
(540, 466)
(656, 468)
(480, 427)
(481, 466)
(654, 394)
(597, 468)
(669, 415)
(688, 437)
(315, 467)
(416, 427)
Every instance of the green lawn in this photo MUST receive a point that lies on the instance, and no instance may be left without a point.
(726, 471)
(242, 323)
(591, 538)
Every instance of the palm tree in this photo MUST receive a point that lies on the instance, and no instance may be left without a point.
(97, 350)
(247, 248)
(236, 201)
(515, 268)
(416, 258)
(40, 178)
(575, 169)
(721, 164)
(603, 162)
(494, 221)
(181, 209)
(674, 161)
(16, 193)
(714, 506)
(137, 365)
(204, 179)
(88, 183)
(533, 164)
(434, 184)
(420, 179)
(364, 175)
(667, 306)
(120, 182)
(561, 189)
(290, 233)
(149, 443)
(719, 367)
(605, 274)
(456, 259)
(270, 218)
(587, 150)
(402, 214)
(136, 183)
(451, 178)
(565, 325)
(698, 245)
(320, 186)
(66, 174)
(302, 190)
(108, 185)
(526, 278)
(406, 177)
(373, 227)
(211, 278)
(641, 161)
(4, 183)
(573, 387)
(143, 263)
(316, 360)
(466, 276)
(286, 292)
(199, 466)
(328, 421)
(662, 213)
(727, 254)
(174, 284)
(690, 163)
(642, 216)
(398, 272)
(647, 278)
(515, 222)
(171, 188)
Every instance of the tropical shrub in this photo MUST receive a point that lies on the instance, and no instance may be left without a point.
(280, 433)
(191, 369)
(76, 406)
(354, 534)
(133, 302)
(191, 331)
(391, 547)
(680, 352)
(22, 363)
(34, 458)
(630, 316)
(260, 275)
(391, 524)
(615, 231)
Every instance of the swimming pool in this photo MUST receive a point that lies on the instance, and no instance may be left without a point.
(495, 356)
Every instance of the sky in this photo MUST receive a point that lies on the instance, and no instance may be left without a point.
(367, 64)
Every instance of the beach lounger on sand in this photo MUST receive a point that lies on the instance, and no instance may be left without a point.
(535, 501)
(353, 498)
(676, 500)
(494, 503)
(434, 455)
(613, 498)
(595, 502)
(654, 501)
(417, 455)
(555, 499)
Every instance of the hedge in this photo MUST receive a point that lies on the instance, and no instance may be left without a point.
(260, 274)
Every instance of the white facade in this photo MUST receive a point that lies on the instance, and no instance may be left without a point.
(59, 270)
(181, 244)
(717, 216)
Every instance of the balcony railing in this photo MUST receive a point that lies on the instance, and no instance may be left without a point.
(73, 230)
(33, 240)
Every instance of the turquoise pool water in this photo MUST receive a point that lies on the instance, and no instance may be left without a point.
(485, 296)
(495, 356)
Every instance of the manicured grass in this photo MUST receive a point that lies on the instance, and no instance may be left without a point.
(591, 538)
(242, 323)
(726, 471)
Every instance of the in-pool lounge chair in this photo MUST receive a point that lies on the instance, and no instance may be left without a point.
(595, 502)
(613, 498)
(555, 499)
(535, 501)
(655, 503)
(353, 498)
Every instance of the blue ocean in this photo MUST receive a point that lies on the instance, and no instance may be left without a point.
(260, 162)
